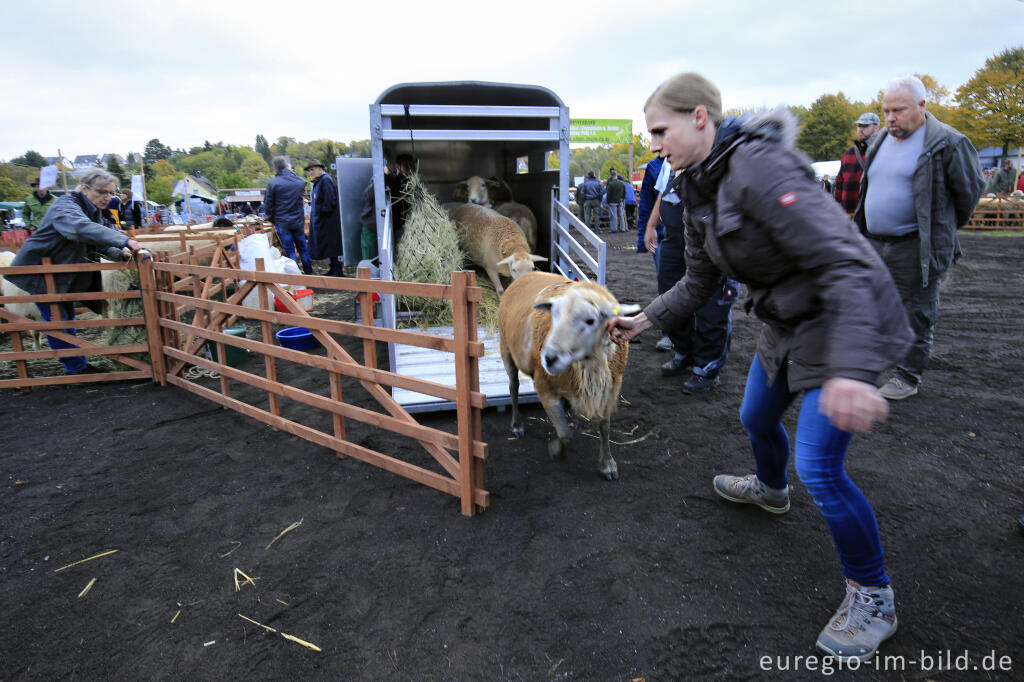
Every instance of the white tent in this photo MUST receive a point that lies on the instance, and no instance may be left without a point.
(823, 168)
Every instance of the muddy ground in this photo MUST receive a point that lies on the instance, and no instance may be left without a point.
(565, 576)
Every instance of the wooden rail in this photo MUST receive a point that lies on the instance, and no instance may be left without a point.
(186, 307)
(999, 212)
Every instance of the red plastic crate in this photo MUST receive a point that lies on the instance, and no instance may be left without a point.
(304, 298)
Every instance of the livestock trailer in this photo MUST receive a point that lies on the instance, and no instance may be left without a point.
(456, 130)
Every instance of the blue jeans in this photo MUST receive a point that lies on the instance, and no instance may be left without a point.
(820, 453)
(295, 240)
(72, 365)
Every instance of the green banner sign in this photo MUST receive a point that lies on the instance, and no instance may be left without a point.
(600, 130)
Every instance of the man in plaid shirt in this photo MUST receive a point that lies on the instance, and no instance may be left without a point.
(847, 185)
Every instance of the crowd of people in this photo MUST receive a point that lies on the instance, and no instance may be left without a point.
(847, 287)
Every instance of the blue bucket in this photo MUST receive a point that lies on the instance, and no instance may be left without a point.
(297, 338)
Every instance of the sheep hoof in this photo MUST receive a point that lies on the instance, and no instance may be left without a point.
(557, 448)
(612, 475)
(518, 431)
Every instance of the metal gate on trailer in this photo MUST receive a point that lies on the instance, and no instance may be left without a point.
(456, 130)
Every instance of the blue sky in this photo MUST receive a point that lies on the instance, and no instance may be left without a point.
(108, 76)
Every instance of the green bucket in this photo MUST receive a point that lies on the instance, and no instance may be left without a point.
(232, 356)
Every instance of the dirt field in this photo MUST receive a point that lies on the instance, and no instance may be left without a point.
(566, 576)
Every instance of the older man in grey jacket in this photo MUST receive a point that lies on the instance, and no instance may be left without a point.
(921, 182)
(74, 224)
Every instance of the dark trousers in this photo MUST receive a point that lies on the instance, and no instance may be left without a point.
(72, 365)
(295, 240)
(903, 258)
(705, 338)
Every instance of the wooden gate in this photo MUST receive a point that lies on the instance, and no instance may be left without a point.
(15, 324)
(190, 316)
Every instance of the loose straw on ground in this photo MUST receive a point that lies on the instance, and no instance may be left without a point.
(293, 638)
(87, 588)
(82, 561)
(289, 528)
(247, 581)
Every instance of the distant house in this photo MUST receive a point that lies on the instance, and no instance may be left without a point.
(83, 161)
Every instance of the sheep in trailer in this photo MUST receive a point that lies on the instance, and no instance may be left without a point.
(523, 217)
(28, 310)
(495, 193)
(556, 332)
(472, 190)
(494, 242)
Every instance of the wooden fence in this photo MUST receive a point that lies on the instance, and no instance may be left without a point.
(187, 306)
(999, 212)
(16, 324)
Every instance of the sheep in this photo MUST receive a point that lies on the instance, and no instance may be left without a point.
(495, 193)
(556, 332)
(523, 217)
(28, 310)
(494, 242)
(472, 191)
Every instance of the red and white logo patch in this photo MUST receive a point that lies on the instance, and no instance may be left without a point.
(788, 199)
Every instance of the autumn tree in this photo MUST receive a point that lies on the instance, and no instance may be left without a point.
(992, 102)
(827, 130)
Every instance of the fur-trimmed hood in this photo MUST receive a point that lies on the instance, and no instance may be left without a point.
(777, 125)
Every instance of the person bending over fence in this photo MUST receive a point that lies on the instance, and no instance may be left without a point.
(73, 231)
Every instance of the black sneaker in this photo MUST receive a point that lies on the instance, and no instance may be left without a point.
(676, 365)
(700, 384)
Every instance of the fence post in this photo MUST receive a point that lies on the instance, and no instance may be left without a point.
(151, 310)
(463, 409)
(268, 337)
(366, 312)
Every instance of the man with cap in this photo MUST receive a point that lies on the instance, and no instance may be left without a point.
(324, 219)
(847, 184)
(36, 205)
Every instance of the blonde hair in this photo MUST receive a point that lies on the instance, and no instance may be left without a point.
(684, 92)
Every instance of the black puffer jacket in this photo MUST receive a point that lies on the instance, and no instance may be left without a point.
(756, 214)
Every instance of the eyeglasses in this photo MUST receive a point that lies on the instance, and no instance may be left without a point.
(102, 192)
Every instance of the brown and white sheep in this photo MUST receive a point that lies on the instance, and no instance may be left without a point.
(556, 332)
(494, 242)
(523, 217)
(495, 193)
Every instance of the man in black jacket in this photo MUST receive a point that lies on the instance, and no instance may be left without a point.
(324, 218)
(283, 204)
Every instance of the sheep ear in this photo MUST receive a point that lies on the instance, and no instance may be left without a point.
(543, 306)
(505, 261)
(461, 192)
(536, 259)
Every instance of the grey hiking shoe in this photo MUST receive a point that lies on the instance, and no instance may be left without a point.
(664, 343)
(749, 490)
(898, 388)
(865, 619)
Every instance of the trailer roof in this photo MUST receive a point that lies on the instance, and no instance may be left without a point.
(470, 93)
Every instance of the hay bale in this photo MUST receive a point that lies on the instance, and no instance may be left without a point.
(123, 280)
(428, 252)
